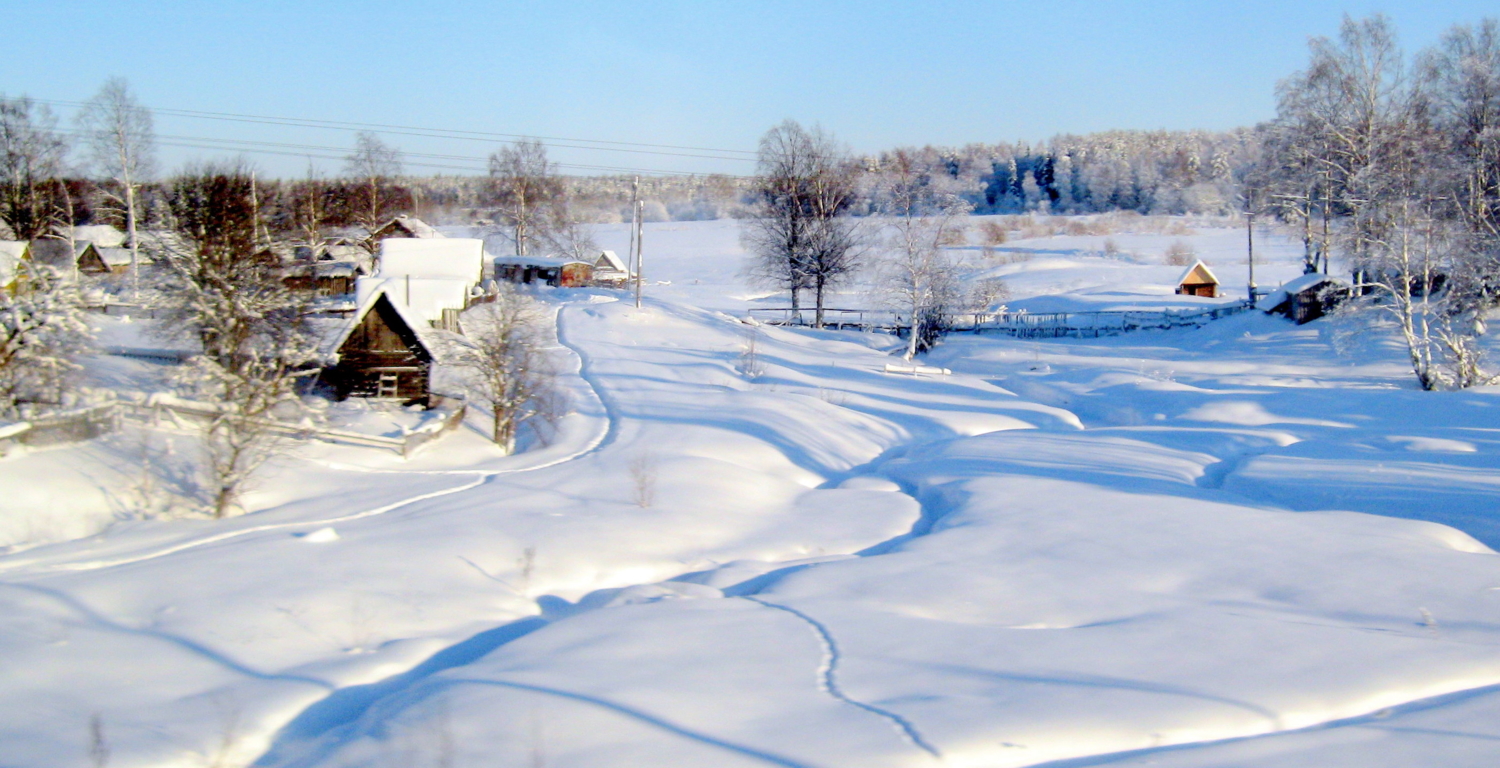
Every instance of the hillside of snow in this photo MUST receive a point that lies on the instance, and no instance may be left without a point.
(1249, 544)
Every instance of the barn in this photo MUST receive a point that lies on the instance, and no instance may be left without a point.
(610, 270)
(576, 274)
(1198, 280)
(379, 352)
(1306, 298)
(404, 226)
(528, 269)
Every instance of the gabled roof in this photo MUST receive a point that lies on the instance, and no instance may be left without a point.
(101, 235)
(450, 258)
(339, 331)
(610, 260)
(421, 298)
(1200, 273)
(58, 254)
(12, 252)
(411, 225)
(1274, 299)
(118, 257)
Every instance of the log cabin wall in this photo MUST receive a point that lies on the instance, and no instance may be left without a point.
(382, 358)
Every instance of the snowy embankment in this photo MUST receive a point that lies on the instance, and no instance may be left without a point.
(833, 566)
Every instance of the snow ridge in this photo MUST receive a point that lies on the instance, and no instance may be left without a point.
(828, 679)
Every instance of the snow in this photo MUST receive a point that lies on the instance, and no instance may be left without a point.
(1246, 544)
(422, 298)
(433, 259)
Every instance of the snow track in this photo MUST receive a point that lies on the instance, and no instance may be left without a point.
(829, 684)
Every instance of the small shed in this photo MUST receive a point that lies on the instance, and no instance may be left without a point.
(1306, 298)
(528, 269)
(576, 274)
(379, 352)
(1198, 280)
(64, 256)
(610, 270)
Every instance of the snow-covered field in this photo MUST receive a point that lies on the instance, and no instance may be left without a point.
(1251, 544)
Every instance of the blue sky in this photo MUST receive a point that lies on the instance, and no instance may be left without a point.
(697, 74)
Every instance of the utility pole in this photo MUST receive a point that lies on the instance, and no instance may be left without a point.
(640, 249)
(1250, 243)
(635, 195)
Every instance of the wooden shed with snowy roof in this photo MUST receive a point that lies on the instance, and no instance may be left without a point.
(1198, 280)
(64, 257)
(1306, 298)
(379, 352)
(405, 226)
(12, 254)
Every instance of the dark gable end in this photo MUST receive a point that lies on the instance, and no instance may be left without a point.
(382, 357)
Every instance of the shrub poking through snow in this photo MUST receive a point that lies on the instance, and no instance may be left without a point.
(643, 478)
(1180, 254)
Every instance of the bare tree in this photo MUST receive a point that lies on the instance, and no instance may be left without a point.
(918, 275)
(42, 331)
(526, 189)
(122, 148)
(510, 370)
(250, 327)
(800, 236)
(32, 153)
(374, 166)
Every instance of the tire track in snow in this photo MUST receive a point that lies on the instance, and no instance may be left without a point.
(828, 678)
(599, 440)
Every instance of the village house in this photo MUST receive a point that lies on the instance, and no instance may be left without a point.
(12, 254)
(433, 279)
(1306, 298)
(78, 257)
(1198, 280)
(101, 235)
(380, 352)
(610, 270)
(404, 226)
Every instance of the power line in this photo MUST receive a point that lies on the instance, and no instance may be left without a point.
(736, 155)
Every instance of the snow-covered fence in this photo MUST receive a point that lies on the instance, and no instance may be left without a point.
(187, 414)
(1033, 325)
(73, 426)
(1028, 325)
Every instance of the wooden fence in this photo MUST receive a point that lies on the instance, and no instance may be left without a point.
(1029, 325)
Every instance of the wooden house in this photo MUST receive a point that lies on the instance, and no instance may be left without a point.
(405, 227)
(101, 235)
(13, 253)
(118, 259)
(379, 352)
(64, 257)
(1306, 298)
(1198, 280)
(525, 270)
(610, 270)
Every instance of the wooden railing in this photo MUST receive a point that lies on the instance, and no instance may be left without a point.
(1019, 324)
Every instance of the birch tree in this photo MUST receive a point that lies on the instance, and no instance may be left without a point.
(374, 166)
(917, 275)
(509, 369)
(122, 147)
(42, 332)
(801, 237)
(526, 188)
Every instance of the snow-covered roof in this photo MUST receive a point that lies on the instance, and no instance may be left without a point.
(412, 225)
(101, 235)
(336, 332)
(1203, 274)
(1274, 299)
(422, 298)
(610, 260)
(448, 258)
(11, 253)
(58, 254)
(117, 257)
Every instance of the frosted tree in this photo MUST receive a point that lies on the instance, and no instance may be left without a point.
(122, 148)
(505, 355)
(374, 166)
(32, 155)
(42, 331)
(917, 275)
(527, 191)
(250, 327)
(801, 237)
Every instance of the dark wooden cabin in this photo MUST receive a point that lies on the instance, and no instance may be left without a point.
(1307, 298)
(382, 356)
